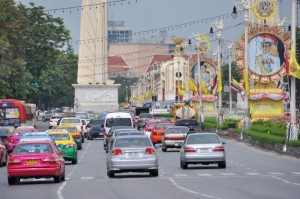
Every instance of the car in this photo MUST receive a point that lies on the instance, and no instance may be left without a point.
(54, 120)
(48, 114)
(72, 129)
(108, 135)
(85, 117)
(3, 154)
(4, 132)
(28, 137)
(35, 159)
(158, 131)
(174, 137)
(74, 121)
(142, 119)
(94, 129)
(113, 133)
(132, 153)
(202, 148)
(192, 124)
(13, 138)
(66, 145)
(149, 126)
(117, 119)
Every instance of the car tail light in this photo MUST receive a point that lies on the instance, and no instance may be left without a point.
(149, 151)
(154, 133)
(50, 160)
(13, 161)
(70, 146)
(77, 136)
(81, 127)
(117, 152)
(219, 149)
(189, 149)
(9, 139)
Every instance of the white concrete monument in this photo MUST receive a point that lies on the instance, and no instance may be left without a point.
(94, 91)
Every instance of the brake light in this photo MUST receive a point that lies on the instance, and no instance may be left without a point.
(13, 161)
(117, 152)
(189, 149)
(9, 139)
(77, 136)
(219, 149)
(50, 160)
(149, 151)
(81, 127)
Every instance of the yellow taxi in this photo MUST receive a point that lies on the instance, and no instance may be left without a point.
(72, 129)
(66, 144)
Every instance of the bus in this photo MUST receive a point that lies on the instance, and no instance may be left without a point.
(14, 113)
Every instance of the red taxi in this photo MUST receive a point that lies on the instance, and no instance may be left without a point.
(35, 159)
(149, 126)
(13, 138)
(158, 131)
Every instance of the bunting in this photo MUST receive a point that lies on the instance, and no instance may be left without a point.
(246, 82)
(214, 85)
(294, 68)
(235, 86)
(180, 91)
(193, 86)
(219, 81)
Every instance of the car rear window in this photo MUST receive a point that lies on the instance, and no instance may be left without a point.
(145, 116)
(177, 130)
(203, 139)
(118, 122)
(60, 136)
(163, 126)
(33, 148)
(133, 142)
(187, 123)
(71, 121)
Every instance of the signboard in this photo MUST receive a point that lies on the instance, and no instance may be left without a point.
(266, 108)
(264, 9)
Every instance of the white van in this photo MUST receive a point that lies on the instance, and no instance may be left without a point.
(117, 119)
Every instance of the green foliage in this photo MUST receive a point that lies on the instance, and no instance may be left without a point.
(265, 138)
(271, 123)
(124, 81)
(293, 143)
(168, 115)
(268, 130)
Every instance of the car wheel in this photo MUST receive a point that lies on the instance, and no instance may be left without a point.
(63, 177)
(11, 180)
(5, 163)
(74, 161)
(79, 147)
(82, 139)
(183, 165)
(57, 179)
(110, 174)
(222, 164)
(43, 119)
(154, 173)
(164, 149)
(1, 163)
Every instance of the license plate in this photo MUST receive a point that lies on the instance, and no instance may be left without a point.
(203, 150)
(31, 161)
(133, 155)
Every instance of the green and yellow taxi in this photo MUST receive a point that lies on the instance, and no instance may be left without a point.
(66, 145)
(72, 129)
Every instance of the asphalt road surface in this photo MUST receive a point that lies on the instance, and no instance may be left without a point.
(250, 173)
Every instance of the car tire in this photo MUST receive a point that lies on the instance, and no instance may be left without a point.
(110, 174)
(6, 158)
(63, 177)
(183, 165)
(164, 149)
(74, 161)
(1, 163)
(11, 180)
(154, 173)
(79, 147)
(222, 164)
(43, 119)
(57, 179)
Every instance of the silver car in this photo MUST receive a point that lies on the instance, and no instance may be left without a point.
(132, 153)
(174, 137)
(202, 148)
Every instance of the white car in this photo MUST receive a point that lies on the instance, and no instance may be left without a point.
(53, 121)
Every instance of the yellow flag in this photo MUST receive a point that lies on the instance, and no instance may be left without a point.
(246, 82)
(193, 86)
(148, 95)
(294, 66)
(184, 87)
(220, 81)
(204, 89)
(180, 92)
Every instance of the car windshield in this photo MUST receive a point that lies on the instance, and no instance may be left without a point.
(97, 122)
(145, 116)
(187, 123)
(162, 126)
(203, 139)
(33, 148)
(71, 121)
(60, 136)
(82, 115)
(177, 130)
(133, 142)
(71, 129)
(56, 117)
(118, 122)
(16, 133)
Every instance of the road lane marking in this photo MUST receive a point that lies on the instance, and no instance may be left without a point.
(180, 175)
(59, 191)
(204, 174)
(87, 178)
(228, 174)
(252, 174)
(286, 181)
(275, 173)
(296, 173)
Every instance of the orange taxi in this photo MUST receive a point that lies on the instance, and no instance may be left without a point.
(158, 131)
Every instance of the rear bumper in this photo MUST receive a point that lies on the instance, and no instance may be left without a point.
(203, 158)
(34, 172)
(134, 165)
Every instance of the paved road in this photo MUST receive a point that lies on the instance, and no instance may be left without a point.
(250, 173)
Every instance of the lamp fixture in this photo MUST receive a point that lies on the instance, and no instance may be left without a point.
(234, 12)
(211, 31)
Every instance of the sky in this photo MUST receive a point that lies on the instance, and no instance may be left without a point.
(143, 16)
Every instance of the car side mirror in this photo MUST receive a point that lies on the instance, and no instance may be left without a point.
(156, 146)
(60, 153)
(223, 142)
(102, 125)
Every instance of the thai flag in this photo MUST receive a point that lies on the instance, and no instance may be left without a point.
(214, 85)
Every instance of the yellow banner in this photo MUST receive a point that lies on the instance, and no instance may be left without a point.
(266, 108)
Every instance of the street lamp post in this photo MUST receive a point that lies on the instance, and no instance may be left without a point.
(219, 25)
(229, 45)
(188, 47)
(246, 7)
